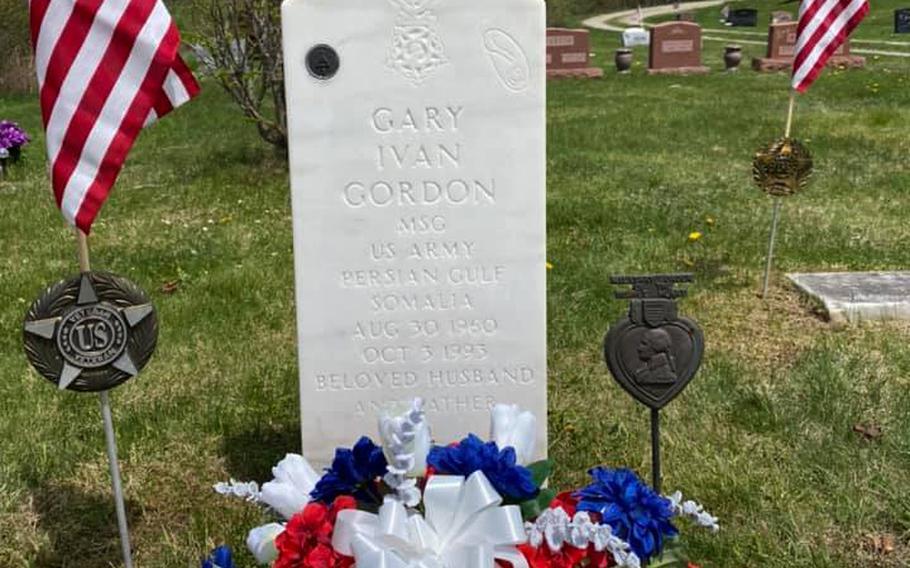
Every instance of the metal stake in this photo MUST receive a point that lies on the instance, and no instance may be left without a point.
(655, 449)
(111, 439)
(109, 435)
(775, 220)
(777, 204)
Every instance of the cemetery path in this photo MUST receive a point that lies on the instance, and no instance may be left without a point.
(619, 21)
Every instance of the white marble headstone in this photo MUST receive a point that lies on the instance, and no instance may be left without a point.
(418, 175)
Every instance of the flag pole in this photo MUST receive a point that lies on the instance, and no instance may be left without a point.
(778, 203)
(109, 435)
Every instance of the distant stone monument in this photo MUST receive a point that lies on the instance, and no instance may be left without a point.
(782, 49)
(569, 54)
(743, 18)
(418, 174)
(632, 37)
(676, 49)
(781, 17)
(902, 21)
(844, 59)
(685, 16)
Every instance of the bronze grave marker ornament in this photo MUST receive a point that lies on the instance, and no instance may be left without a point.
(91, 333)
(653, 353)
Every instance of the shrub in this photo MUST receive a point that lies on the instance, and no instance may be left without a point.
(16, 73)
(239, 42)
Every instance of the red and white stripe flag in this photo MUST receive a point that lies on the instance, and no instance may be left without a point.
(824, 26)
(106, 69)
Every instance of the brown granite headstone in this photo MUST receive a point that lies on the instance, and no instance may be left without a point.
(569, 54)
(782, 49)
(676, 49)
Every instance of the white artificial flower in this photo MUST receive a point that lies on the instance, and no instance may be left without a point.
(246, 490)
(290, 491)
(510, 427)
(406, 440)
(261, 542)
(693, 511)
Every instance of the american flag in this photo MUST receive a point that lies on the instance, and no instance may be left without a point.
(824, 25)
(106, 69)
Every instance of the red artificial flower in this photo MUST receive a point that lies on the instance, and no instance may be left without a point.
(307, 540)
(543, 557)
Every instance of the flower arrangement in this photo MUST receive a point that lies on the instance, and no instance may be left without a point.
(12, 139)
(473, 504)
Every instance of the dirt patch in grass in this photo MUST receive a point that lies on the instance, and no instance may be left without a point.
(766, 334)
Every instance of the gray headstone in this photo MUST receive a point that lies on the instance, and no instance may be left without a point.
(858, 296)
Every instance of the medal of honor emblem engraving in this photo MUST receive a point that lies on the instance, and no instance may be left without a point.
(91, 333)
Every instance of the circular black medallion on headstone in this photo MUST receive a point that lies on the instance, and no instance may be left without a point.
(91, 333)
(322, 62)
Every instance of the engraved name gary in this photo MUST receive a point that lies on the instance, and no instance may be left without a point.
(393, 154)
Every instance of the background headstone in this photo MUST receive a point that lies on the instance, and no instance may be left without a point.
(782, 50)
(569, 54)
(676, 48)
(418, 175)
(902, 21)
(743, 17)
(632, 37)
(685, 16)
(781, 17)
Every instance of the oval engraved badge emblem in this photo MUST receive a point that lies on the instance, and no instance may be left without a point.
(508, 59)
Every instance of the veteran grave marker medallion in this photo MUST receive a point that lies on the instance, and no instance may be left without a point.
(91, 333)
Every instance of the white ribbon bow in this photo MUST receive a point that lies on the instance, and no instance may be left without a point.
(465, 527)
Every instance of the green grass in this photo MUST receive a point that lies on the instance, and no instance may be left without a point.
(763, 437)
(877, 26)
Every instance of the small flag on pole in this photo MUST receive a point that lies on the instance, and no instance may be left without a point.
(824, 25)
(106, 69)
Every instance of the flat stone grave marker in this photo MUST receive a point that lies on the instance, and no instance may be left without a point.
(632, 37)
(569, 54)
(743, 18)
(902, 21)
(676, 49)
(418, 173)
(858, 296)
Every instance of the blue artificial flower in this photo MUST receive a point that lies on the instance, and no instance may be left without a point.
(514, 482)
(636, 513)
(219, 558)
(353, 472)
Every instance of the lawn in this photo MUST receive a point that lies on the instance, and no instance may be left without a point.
(764, 436)
(878, 25)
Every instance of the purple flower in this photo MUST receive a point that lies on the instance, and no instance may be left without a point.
(11, 136)
(633, 510)
(514, 482)
(353, 472)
